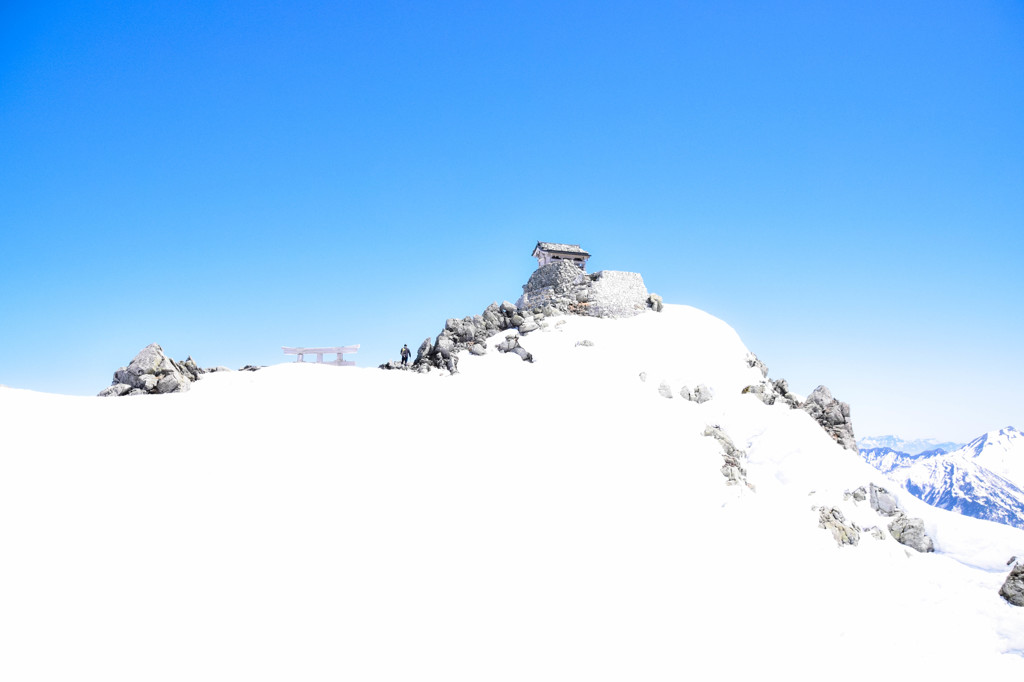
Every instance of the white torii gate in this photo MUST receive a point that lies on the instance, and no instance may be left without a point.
(319, 352)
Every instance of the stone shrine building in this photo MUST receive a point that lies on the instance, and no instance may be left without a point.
(548, 252)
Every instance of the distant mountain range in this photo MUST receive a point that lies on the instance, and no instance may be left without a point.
(910, 447)
(983, 479)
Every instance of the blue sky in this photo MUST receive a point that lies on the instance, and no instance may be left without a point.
(841, 182)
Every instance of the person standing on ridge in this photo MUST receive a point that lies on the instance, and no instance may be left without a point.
(405, 354)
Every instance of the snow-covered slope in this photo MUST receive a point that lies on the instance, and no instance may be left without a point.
(982, 479)
(547, 521)
(911, 447)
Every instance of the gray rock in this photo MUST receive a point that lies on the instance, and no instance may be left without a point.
(732, 467)
(478, 349)
(832, 519)
(763, 391)
(148, 383)
(511, 345)
(752, 361)
(832, 415)
(151, 371)
(172, 382)
(643, 376)
(910, 532)
(115, 390)
(517, 320)
(655, 302)
(876, 532)
(858, 495)
(686, 394)
(585, 342)
(702, 394)
(425, 351)
(665, 390)
(770, 392)
(882, 501)
(530, 325)
(1013, 588)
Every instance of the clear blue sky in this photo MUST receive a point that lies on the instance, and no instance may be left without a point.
(842, 182)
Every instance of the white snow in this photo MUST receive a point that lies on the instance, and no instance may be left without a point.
(548, 521)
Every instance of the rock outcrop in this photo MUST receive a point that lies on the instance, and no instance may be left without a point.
(698, 395)
(882, 501)
(910, 532)
(833, 520)
(833, 415)
(769, 391)
(511, 345)
(904, 529)
(732, 467)
(1013, 588)
(151, 371)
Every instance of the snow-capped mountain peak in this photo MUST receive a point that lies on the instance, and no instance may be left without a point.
(983, 479)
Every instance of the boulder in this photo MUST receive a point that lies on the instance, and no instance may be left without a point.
(529, 325)
(910, 532)
(511, 345)
(832, 415)
(115, 390)
(702, 394)
(882, 501)
(655, 302)
(832, 519)
(1013, 588)
(424, 352)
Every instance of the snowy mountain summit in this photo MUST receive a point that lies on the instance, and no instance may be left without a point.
(581, 516)
(910, 447)
(983, 479)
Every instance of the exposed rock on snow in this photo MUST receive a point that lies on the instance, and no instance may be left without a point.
(910, 532)
(753, 361)
(732, 469)
(832, 519)
(1013, 589)
(701, 394)
(151, 371)
(511, 345)
(882, 501)
(904, 529)
(769, 392)
(655, 303)
(833, 415)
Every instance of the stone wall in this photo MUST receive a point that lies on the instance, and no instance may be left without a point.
(563, 286)
(617, 294)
